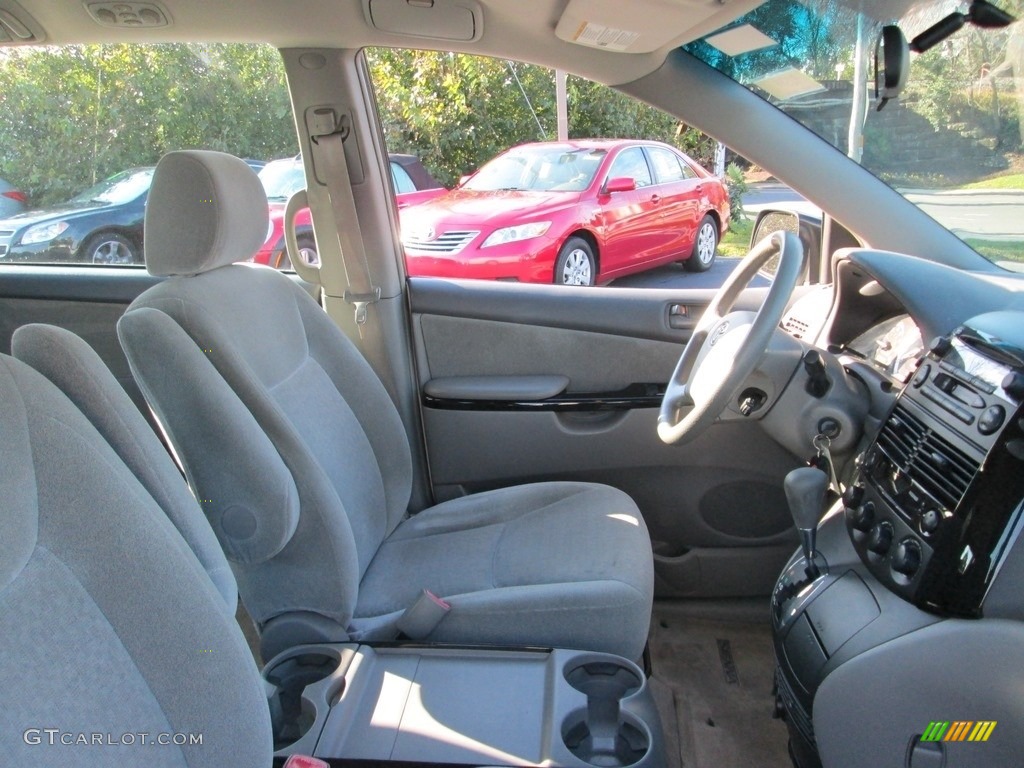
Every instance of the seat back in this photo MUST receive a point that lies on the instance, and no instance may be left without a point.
(111, 628)
(285, 433)
(75, 368)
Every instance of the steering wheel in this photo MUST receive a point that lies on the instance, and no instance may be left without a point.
(726, 346)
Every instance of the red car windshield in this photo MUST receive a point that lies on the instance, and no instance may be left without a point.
(539, 169)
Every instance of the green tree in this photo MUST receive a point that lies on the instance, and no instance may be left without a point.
(86, 112)
(457, 111)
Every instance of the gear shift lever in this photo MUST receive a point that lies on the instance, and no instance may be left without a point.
(805, 492)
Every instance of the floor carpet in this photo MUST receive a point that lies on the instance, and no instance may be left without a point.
(713, 684)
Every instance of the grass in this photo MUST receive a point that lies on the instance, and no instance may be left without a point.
(997, 250)
(736, 242)
(1010, 181)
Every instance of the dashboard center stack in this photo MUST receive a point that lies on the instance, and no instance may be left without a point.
(928, 523)
(932, 507)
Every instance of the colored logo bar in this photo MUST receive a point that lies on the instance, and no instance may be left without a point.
(958, 730)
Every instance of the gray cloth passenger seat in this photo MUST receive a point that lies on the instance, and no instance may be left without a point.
(304, 470)
(110, 626)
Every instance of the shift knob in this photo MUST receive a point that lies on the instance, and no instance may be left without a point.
(805, 492)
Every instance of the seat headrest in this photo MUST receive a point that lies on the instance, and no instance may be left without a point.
(205, 210)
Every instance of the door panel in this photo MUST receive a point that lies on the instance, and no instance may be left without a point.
(715, 508)
(85, 300)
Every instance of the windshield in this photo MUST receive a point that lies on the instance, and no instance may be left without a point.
(952, 144)
(282, 179)
(120, 188)
(539, 169)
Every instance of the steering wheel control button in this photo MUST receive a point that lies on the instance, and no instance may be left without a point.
(880, 538)
(818, 382)
(992, 419)
(906, 559)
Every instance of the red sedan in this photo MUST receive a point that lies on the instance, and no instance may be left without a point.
(576, 213)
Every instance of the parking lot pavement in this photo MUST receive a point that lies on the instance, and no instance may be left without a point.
(675, 276)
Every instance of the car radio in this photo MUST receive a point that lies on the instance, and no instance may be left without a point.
(932, 507)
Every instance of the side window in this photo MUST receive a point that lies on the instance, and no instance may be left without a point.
(401, 179)
(93, 122)
(632, 163)
(521, 177)
(667, 167)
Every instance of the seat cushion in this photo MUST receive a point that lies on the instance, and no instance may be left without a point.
(560, 564)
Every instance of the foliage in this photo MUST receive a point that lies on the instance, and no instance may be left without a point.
(735, 243)
(457, 111)
(1013, 181)
(998, 250)
(86, 112)
(736, 185)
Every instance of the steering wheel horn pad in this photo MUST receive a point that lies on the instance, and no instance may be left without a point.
(726, 346)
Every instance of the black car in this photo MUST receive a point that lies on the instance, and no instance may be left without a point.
(102, 225)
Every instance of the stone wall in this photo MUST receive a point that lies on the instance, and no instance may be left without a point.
(900, 140)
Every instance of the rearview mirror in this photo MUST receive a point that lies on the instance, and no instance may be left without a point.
(892, 65)
(620, 184)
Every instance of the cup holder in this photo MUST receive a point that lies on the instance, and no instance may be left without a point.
(601, 734)
(291, 713)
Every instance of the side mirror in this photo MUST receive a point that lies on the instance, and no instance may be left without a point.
(805, 226)
(620, 184)
(892, 65)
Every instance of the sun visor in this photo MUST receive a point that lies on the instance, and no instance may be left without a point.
(613, 25)
(458, 20)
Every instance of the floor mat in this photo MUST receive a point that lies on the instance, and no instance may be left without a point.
(720, 677)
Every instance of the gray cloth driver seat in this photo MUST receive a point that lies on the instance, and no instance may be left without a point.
(302, 465)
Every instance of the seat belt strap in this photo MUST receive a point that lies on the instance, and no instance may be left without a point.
(330, 138)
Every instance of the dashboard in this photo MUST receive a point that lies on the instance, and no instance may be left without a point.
(922, 559)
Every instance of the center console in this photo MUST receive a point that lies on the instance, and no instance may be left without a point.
(476, 706)
(924, 533)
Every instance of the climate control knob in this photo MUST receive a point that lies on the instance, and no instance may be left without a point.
(907, 557)
(863, 517)
(852, 496)
(880, 538)
(930, 521)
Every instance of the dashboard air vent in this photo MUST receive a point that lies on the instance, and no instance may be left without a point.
(932, 462)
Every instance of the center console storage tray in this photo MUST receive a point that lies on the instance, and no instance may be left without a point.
(481, 706)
